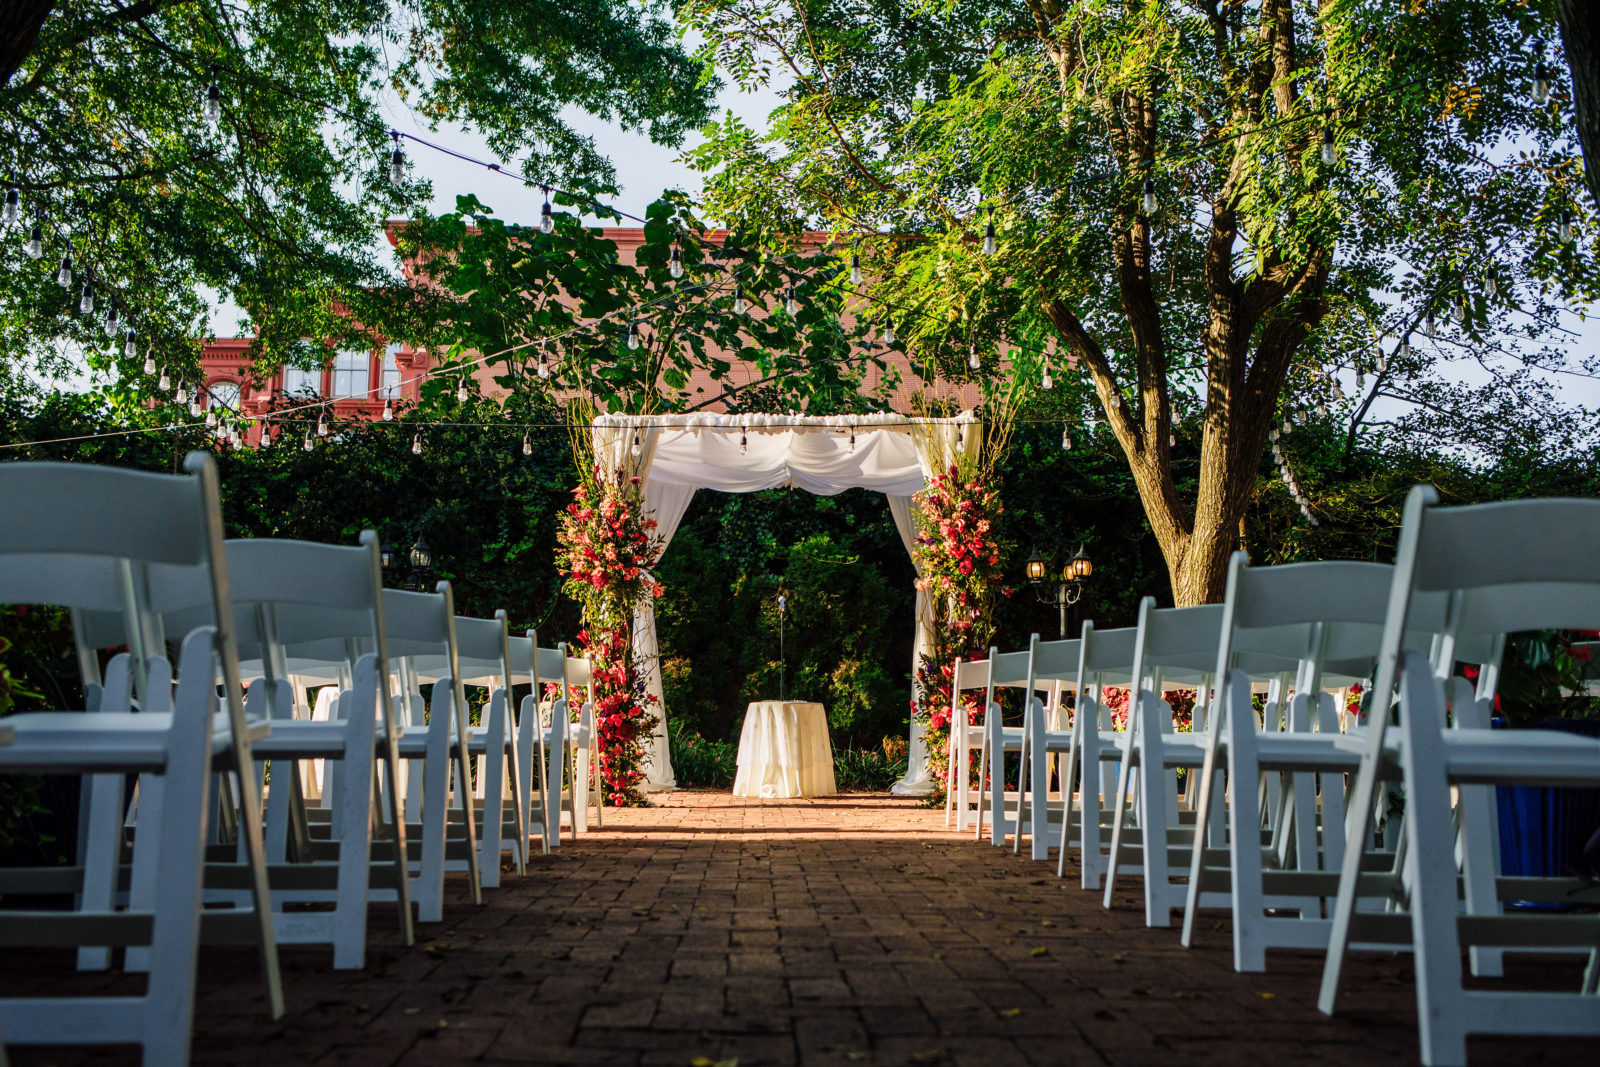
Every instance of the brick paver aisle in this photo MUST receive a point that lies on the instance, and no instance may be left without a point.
(848, 930)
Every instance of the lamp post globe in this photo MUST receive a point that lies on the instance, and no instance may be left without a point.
(421, 556)
(1034, 568)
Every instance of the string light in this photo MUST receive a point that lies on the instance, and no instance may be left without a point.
(397, 160)
(182, 395)
(322, 425)
(266, 436)
(416, 445)
(1361, 378)
(740, 304)
(888, 333)
(1150, 203)
(1541, 83)
(973, 359)
(308, 446)
(111, 318)
(130, 348)
(1404, 351)
(1066, 438)
(855, 268)
(547, 221)
(852, 438)
(634, 340)
(388, 410)
(675, 261)
(527, 446)
(64, 275)
(638, 443)
(1287, 426)
(790, 304)
(1046, 382)
(461, 391)
(989, 244)
(165, 383)
(13, 206)
(211, 419)
(1491, 285)
(196, 408)
(744, 442)
(86, 301)
(1564, 231)
(35, 245)
(213, 105)
(544, 367)
(1328, 156)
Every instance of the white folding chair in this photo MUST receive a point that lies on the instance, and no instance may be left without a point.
(1173, 647)
(583, 790)
(138, 520)
(1503, 568)
(967, 676)
(1105, 658)
(1047, 737)
(1007, 670)
(537, 744)
(423, 624)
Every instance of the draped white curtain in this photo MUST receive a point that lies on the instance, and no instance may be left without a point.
(674, 455)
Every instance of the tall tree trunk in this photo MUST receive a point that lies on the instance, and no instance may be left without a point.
(20, 22)
(1580, 36)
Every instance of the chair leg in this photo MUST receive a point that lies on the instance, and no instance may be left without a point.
(1244, 846)
(102, 856)
(354, 829)
(435, 798)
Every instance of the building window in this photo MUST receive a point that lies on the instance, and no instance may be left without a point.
(224, 396)
(352, 373)
(298, 382)
(391, 372)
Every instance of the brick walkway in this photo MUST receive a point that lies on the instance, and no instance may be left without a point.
(849, 930)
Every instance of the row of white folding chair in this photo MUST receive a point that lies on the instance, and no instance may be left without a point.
(1105, 659)
(86, 537)
(1501, 568)
(1047, 742)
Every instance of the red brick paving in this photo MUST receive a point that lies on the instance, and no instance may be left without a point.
(835, 931)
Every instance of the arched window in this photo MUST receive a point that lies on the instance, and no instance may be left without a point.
(222, 395)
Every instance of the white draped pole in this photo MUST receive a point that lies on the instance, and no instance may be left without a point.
(916, 779)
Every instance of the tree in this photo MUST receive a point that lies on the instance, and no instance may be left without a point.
(1580, 38)
(1224, 213)
(279, 203)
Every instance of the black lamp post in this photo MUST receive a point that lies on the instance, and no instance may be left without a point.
(1069, 590)
(416, 565)
(421, 565)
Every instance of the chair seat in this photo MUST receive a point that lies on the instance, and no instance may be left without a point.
(414, 742)
(1533, 757)
(303, 739)
(1309, 752)
(1183, 750)
(97, 740)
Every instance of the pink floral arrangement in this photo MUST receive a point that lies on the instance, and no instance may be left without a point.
(606, 546)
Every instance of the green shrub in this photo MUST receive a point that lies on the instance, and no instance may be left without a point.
(701, 761)
(869, 770)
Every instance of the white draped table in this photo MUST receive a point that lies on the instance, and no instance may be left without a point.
(784, 751)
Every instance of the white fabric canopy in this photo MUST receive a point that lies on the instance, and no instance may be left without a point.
(673, 455)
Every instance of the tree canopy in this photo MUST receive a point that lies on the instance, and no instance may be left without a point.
(1229, 216)
(280, 202)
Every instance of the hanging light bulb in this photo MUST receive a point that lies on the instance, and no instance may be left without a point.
(634, 340)
(1491, 285)
(1272, 435)
(744, 442)
(1404, 351)
(973, 360)
(111, 318)
(461, 392)
(388, 410)
(86, 301)
(13, 205)
(852, 438)
(740, 304)
(64, 275)
(1541, 83)
(1328, 156)
(1046, 382)
(547, 221)
(989, 245)
(322, 424)
(416, 445)
(195, 406)
(164, 383)
(1287, 426)
(1361, 379)
(1172, 440)
(1066, 438)
(35, 245)
(213, 105)
(266, 436)
(1150, 203)
(1458, 309)
(638, 443)
(1564, 231)
(211, 419)
(182, 395)
(397, 160)
(855, 268)
(527, 446)
(1322, 407)
(790, 304)
(888, 333)
(675, 262)
(307, 444)
(544, 367)
(130, 348)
